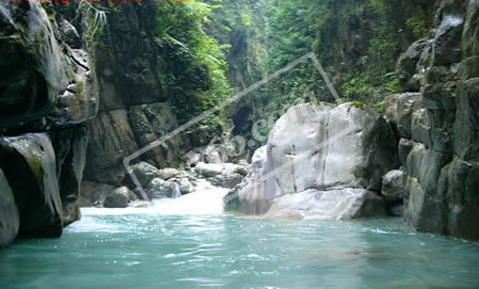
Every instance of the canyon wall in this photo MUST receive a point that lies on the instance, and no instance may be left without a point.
(437, 120)
(48, 90)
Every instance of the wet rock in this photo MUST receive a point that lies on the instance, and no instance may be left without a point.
(392, 186)
(118, 198)
(9, 217)
(159, 188)
(185, 186)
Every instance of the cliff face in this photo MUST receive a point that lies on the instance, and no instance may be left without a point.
(145, 83)
(47, 92)
(438, 123)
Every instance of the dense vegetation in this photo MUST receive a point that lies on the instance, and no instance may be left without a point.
(194, 62)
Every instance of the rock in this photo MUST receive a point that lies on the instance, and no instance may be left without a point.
(29, 165)
(407, 67)
(118, 198)
(215, 154)
(168, 173)
(93, 194)
(159, 188)
(185, 186)
(342, 204)
(9, 217)
(70, 147)
(60, 91)
(151, 122)
(111, 139)
(440, 169)
(211, 170)
(171, 190)
(392, 186)
(144, 172)
(70, 34)
(226, 181)
(304, 151)
(154, 190)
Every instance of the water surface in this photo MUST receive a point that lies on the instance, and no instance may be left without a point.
(141, 249)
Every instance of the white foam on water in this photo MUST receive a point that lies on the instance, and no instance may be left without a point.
(205, 200)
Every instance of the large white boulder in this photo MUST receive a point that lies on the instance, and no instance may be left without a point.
(321, 148)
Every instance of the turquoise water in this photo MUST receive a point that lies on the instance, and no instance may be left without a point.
(146, 250)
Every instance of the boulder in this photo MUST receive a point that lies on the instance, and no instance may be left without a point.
(392, 186)
(211, 170)
(9, 217)
(185, 186)
(226, 181)
(324, 148)
(144, 172)
(29, 164)
(159, 188)
(118, 198)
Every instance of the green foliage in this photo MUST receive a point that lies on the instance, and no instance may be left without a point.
(418, 25)
(380, 106)
(194, 62)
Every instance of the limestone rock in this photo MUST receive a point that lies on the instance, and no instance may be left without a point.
(306, 150)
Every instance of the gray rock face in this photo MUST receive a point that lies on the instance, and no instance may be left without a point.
(439, 146)
(321, 148)
(111, 139)
(93, 194)
(118, 198)
(61, 88)
(9, 217)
